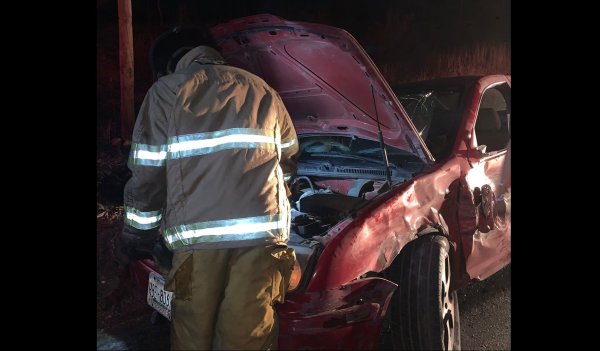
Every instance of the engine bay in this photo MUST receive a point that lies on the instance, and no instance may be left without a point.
(339, 173)
(319, 204)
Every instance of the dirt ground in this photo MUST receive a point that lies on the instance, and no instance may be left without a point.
(114, 305)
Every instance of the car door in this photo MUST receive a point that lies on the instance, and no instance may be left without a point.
(488, 137)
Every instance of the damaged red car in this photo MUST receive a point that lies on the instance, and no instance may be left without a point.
(394, 208)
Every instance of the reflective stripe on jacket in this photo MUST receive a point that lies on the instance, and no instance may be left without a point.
(210, 149)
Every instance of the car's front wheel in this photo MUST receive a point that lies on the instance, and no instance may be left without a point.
(423, 314)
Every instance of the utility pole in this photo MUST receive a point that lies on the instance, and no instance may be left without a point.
(126, 69)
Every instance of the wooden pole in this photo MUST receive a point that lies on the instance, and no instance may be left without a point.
(126, 69)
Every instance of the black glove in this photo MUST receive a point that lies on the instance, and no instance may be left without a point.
(163, 257)
(137, 244)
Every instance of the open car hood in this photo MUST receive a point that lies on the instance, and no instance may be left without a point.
(326, 80)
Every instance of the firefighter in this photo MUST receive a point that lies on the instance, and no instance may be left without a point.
(210, 148)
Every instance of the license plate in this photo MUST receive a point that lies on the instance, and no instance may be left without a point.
(158, 297)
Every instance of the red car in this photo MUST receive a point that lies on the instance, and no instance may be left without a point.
(383, 238)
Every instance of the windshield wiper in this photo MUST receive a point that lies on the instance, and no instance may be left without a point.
(353, 157)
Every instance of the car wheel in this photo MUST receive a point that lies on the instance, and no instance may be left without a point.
(423, 314)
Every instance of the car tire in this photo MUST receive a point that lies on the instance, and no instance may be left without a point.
(423, 313)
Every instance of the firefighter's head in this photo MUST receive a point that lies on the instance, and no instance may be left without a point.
(171, 46)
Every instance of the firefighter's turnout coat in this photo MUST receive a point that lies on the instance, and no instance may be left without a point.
(211, 147)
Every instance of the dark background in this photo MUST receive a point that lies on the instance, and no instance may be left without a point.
(408, 40)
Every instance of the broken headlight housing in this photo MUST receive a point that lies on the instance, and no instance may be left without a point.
(307, 252)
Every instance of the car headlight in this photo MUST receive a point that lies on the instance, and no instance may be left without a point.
(306, 257)
(296, 277)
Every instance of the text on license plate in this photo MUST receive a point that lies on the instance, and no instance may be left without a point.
(158, 297)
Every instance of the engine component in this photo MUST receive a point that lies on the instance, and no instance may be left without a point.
(308, 226)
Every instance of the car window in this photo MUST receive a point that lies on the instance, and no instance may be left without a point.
(492, 127)
(436, 113)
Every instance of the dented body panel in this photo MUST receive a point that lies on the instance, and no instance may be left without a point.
(483, 236)
(330, 319)
(378, 233)
(486, 250)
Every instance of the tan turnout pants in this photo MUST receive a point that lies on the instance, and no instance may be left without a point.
(223, 298)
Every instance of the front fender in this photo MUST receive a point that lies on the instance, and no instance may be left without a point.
(371, 241)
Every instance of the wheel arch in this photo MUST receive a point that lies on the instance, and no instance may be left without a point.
(412, 269)
(459, 276)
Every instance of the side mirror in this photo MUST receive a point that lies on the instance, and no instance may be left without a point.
(481, 150)
(477, 153)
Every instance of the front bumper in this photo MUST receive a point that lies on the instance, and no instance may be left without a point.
(348, 317)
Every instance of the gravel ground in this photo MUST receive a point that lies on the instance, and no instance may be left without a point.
(485, 312)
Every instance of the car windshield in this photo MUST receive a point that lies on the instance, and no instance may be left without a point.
(352, 148)
(436, 113)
